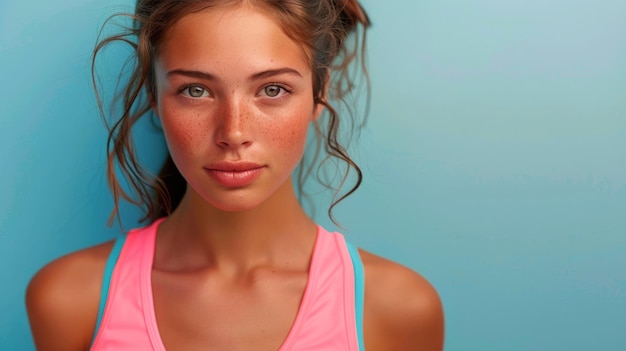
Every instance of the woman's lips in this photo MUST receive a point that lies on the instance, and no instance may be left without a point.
(235, 174)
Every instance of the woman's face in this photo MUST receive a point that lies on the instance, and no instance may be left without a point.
(234, 96)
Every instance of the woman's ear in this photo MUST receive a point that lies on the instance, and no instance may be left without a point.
(319, 107)
(153, 102)
(320, 100)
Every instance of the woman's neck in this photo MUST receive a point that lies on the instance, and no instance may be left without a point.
(198, 235)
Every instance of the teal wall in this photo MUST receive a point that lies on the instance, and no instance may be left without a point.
(494, 161)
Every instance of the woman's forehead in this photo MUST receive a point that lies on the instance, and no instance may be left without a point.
(230, 37)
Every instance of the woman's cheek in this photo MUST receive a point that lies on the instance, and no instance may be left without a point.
(183, 133)
(292, 131)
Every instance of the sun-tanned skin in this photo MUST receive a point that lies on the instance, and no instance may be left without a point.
(231, 262)
(402, 311)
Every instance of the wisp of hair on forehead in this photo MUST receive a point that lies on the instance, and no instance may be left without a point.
(321, 27)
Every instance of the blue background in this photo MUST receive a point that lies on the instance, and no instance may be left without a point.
(494, 160)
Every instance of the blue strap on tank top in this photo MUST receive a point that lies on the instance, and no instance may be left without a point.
(359, 292)
(106, 280)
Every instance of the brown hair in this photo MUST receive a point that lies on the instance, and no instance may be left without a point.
(322, 27)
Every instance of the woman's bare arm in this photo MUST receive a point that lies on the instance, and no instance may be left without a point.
(403, 312)
(62, 300)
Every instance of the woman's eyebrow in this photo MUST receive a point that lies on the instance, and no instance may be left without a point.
(211, 77)
(274, 72)
(193, 74)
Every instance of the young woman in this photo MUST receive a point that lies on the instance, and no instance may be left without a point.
(230, 260)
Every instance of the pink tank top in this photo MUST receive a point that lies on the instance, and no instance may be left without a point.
(329, 316)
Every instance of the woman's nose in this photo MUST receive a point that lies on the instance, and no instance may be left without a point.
(233, 125)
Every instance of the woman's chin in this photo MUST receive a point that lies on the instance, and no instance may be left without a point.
(234, 204)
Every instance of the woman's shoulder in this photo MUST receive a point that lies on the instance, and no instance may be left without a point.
(402, 310)
(62, 299)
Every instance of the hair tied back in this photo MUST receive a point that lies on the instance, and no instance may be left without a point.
(352, 13)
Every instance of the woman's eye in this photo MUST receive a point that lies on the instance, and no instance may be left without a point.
(195, 91)
(274, 90)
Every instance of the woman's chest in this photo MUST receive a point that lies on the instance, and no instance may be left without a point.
(209, 312)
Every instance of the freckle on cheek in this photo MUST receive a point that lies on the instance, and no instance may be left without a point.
(185, 135)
